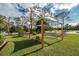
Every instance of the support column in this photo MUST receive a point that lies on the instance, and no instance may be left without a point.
(30, 26)
(42, 33)
(31, 21)
(29, 31)
(62, 32)
(8, 26)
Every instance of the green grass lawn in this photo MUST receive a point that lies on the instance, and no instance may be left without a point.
(21, 46)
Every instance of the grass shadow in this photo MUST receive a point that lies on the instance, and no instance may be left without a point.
(41, 48)
(25, 44)
(49, 44)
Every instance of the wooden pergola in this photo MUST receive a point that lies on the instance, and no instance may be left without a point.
(42, 28)
(42, 31)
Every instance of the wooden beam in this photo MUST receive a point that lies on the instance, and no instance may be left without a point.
(62, 29)
(29, 31)
(42, 33)
(31, 21)
(40, 25)
(62, 32)
(8, 26)
(30, 25)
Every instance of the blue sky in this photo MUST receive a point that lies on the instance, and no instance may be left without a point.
(8, 9)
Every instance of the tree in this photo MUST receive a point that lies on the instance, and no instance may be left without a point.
(20, 31)
(66, 27)
(19, 28)
(12, 29)
(3, 23)
(77, 26)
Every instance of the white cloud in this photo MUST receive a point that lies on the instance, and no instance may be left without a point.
(52, 10)
(64, 5)
(73, 24)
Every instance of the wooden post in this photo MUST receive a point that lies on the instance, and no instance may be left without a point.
(31, 21)
(62, 32)
(29, 31)
(42, 33)
(62, 29)
(8, 25)
(30, 25)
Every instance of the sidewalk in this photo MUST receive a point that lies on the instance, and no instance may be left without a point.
(73, 32)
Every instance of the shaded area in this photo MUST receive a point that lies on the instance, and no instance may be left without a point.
(25, 44)
(41, 48)
(49, 44)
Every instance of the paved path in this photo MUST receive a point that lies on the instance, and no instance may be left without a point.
(73, 32)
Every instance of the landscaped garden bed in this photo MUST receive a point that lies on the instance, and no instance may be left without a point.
(2, 41)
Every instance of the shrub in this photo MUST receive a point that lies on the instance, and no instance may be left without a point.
(2, 38)
(34, 33)
(20, 31)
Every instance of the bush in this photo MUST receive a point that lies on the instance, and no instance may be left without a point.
(2, 38)
(20, 31)
(34, 33)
